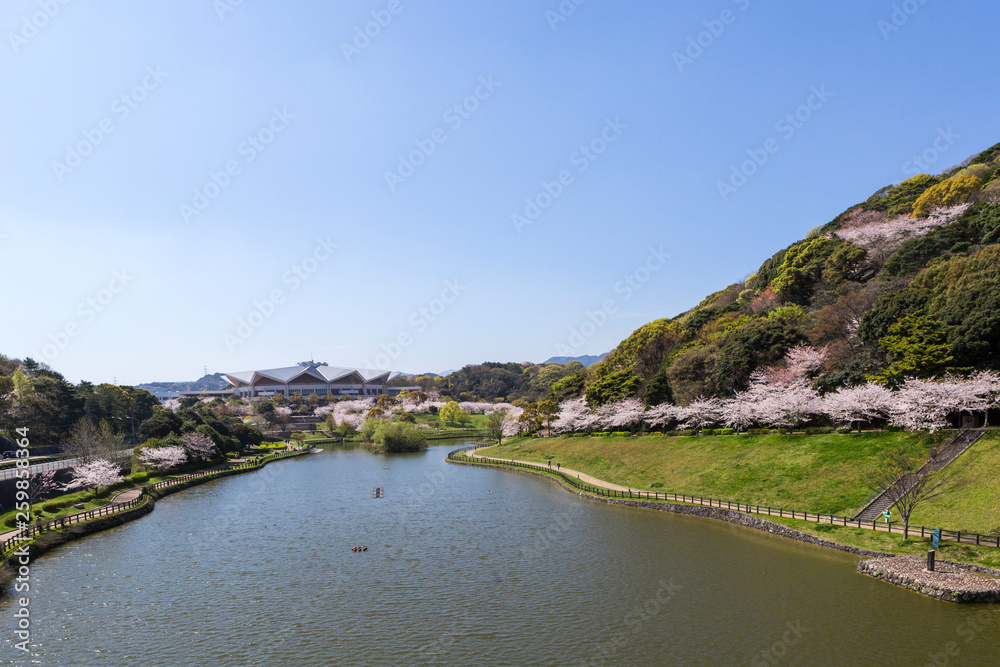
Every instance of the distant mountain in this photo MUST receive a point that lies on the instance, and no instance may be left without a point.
(587, 360)
(208, 383)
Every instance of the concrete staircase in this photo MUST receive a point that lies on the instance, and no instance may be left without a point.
(939, 460)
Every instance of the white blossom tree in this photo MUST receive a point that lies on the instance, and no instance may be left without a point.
(919, 405)
(42, 485)
(574, 416)
(662, 415)
(741, 411)
(858, 404)
(96, 474)
(701, 412)
(198, 446)
(163, 458)
(624, 414)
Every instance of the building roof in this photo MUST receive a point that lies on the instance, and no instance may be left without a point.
(321, 372)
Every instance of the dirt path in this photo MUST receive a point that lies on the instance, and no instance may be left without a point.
(120, 499)
(582, 476)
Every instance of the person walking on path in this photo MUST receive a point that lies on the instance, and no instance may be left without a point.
(887, 515)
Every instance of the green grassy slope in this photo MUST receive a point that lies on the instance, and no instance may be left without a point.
(816, 473)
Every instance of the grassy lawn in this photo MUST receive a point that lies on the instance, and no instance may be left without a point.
(975, 505)
(816, 473)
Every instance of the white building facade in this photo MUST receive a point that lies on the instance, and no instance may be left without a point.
(309, 377)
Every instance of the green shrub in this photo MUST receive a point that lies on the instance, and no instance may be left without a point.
(621, 434)
(819, 430)
(140, 477)
(725, 431)
(656, 485)
(52, 508)
(11, 521)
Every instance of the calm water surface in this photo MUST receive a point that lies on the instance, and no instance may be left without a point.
(465, 566)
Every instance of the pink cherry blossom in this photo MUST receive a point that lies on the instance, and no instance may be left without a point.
(163, 458)
(94, 475)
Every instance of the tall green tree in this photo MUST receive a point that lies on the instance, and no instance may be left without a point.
(917, 347)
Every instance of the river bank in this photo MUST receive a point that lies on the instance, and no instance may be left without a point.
(39, 538)
(954, 590)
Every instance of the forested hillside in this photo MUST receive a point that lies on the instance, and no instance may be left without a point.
(904, 284)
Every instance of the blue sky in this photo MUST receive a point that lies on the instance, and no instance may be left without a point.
(202, 183)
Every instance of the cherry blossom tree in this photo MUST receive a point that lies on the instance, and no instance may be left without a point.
(872, 231)
(198, 446)
(858, 404)
(163, 458)
(804, 361)
(661, 416)
(988, 383)
(918, 405)
(699, 413)
(740, 412)
(624, 414)
(95, 475)
(42, 485)
(574, 416)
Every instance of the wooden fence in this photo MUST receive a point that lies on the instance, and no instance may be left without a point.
(946, 535)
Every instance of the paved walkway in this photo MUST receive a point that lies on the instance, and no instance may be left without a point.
(582, 476)
(120, 499)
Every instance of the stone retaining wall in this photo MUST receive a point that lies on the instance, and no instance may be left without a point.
(951, 582)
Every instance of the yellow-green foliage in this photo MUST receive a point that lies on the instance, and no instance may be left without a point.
(980, 171)
(788, 314)
(947, 193)
(802, 266)
(624, 356)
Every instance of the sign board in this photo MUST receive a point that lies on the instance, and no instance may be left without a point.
(936, 538)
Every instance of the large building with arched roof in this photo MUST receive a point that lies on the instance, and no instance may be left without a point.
(309, 377)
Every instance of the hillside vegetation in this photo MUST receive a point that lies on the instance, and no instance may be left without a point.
(904, 284)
